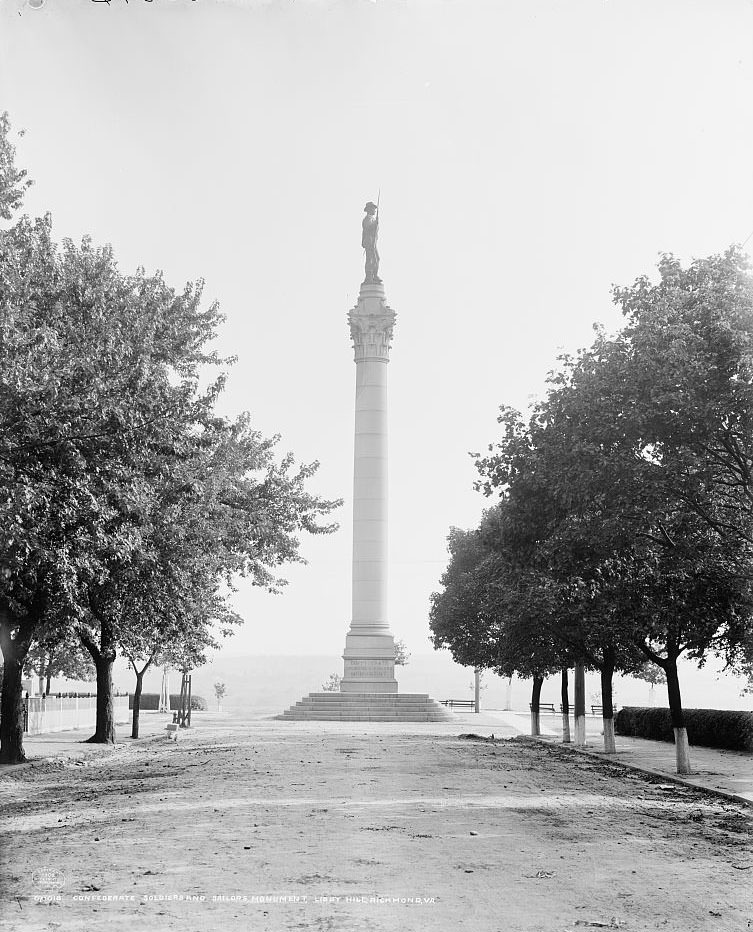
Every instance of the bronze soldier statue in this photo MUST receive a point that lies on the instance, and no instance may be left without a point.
(369, 234)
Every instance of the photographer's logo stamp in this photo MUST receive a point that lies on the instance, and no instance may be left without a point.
(47, 879)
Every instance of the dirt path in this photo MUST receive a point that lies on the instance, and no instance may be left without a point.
(321, 827)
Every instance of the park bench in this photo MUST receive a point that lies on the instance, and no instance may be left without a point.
(543, 706)
(460, 703)
(597, 710)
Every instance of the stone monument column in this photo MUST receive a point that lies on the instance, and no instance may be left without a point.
(369, 645)
(368, 690)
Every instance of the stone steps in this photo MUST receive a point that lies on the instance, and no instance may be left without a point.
(364, 705)
(367, 707)
(398, 697)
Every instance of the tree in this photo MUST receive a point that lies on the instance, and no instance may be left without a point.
(402, 654)
(228, 510)
(13, 181)
(65, 426)
(231, 510)
(100, 410)
(680, 406)
(652, 675)
(456, 618)
(686, 380)
(493, 614)
(561, 540)
(598, 531)
(58, 655)
(148, 346)
(477, 686)
(219, 691)
(333, 683)
(633, 473)
(176, 633)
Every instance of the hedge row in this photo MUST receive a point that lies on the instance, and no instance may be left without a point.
(60, 695)
(150, 702)
(711, 728)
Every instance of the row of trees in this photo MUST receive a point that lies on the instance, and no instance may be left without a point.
(622, 529)
(128, 507)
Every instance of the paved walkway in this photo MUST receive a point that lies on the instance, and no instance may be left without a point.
(726, 772)
(72, 745)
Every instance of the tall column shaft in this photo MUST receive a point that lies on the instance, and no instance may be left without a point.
(369, 646)
(370, 498)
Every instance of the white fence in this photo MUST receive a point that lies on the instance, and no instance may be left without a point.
(52, 714)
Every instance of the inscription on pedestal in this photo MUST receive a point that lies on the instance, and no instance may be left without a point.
(369, 669)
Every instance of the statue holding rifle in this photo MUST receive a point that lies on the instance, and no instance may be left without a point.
(369, 234)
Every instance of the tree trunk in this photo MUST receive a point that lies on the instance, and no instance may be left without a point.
(580, 704)
(137, 703)
(14, 650)
(565, 709)
(12, 706)
(682, 753)
(104, 731)
(103, 655)
(538, 682)
(607, 707)
(189, 701)
(48, 672)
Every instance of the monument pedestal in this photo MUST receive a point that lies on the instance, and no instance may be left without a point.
(364, 675)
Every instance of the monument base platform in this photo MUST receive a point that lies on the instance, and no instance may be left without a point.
(368, 707)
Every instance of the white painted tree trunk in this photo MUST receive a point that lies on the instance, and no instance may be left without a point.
(609, 745)
(565, 699)
(579, 693)
(565, 729)
(682, 752)
(682, 755)
(580, 730)
(164, 696)
(508, 695)
(535, 724)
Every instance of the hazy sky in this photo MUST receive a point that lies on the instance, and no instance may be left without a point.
(529, 155)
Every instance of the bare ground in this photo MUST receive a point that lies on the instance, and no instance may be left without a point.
(284, 826)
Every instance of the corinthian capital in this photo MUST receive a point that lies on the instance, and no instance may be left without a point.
(371, 327)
